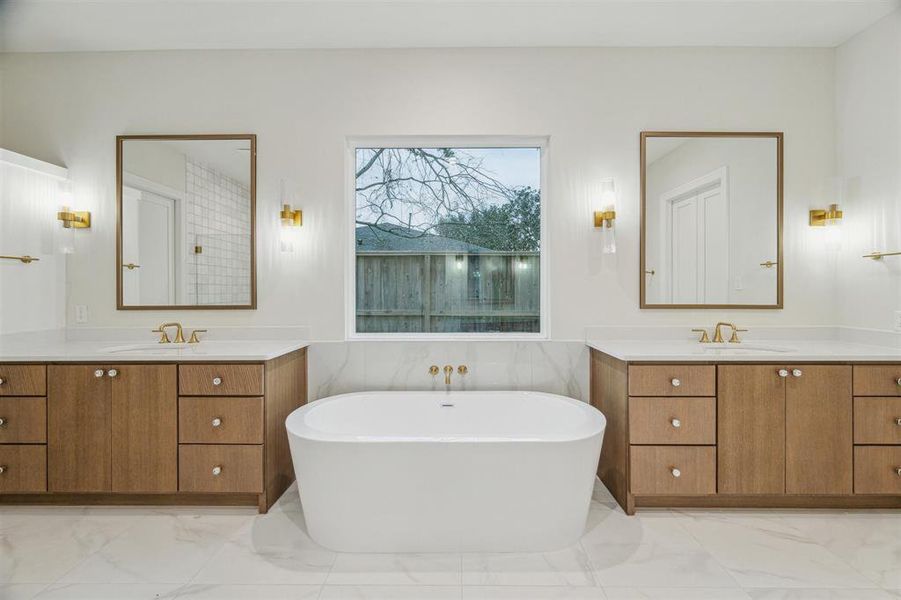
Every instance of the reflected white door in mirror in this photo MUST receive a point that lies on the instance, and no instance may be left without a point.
(711, 207)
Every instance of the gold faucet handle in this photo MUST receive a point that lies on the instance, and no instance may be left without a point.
(704, 339)
(433, 370)
(734, 339)
(194, 339)
(164, 337)
(462, 369)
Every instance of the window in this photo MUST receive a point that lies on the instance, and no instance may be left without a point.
(447, 239)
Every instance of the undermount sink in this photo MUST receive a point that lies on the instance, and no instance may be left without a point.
(744, 349)
(146, 348)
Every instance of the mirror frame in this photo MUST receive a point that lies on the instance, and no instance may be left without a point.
(252, 138)
(778, 136)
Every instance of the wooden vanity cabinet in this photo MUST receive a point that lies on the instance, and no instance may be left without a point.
(79, 429)
(750, 430)
(784, 433)
(112, 428)
(749, 435)
(147, 433)
(819, 431)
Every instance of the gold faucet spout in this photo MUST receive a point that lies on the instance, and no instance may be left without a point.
(164, 337)
(718, 332)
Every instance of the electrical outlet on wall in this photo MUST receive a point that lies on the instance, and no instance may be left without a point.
(897, 323)
(81, 313)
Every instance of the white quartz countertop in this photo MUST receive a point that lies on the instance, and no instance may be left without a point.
(23, 349)
(770, 351)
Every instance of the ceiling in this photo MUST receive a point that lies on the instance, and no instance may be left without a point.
(110, 25)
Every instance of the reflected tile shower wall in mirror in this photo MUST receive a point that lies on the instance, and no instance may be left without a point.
(711, 220)
(187, 222)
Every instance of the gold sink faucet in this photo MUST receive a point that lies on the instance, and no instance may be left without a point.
(164, 337)
(718, 333)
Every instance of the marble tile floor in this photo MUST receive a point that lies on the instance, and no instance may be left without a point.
(126, 553)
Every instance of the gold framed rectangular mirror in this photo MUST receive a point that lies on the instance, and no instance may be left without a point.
(186, 222)
(711, 220)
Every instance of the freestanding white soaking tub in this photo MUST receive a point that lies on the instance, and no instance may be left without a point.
(445, 471)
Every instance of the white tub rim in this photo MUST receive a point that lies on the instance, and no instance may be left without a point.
(296, 425)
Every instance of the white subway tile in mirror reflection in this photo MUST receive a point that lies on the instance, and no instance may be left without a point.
(555, 367)
(121, 553)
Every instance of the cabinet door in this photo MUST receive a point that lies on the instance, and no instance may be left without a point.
(818, 430)
(78, 429)
(750, 429)
(144, 428)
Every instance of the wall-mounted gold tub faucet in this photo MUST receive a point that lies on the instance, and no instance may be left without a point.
(448, 371)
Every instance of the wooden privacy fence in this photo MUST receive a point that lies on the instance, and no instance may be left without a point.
(447, 292)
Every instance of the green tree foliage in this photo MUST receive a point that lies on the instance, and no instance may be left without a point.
(512, 226)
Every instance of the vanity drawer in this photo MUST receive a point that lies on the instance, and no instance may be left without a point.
(673, 470)
(877, 380)
(23, 380)
(220, 380)
(690, 421)
(672, 380)
(24, 468)
(877, 470)
(219, 468)
(23, 420)
(220, 420)
(877, 420)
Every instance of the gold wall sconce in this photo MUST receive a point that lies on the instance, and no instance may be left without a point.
(604, 218)
(79, 219)
(290, 217)
(822, 218)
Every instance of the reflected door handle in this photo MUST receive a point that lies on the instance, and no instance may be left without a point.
(769, 264)
(131, 266)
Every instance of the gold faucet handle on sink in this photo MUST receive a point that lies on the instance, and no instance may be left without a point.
(704, 339)
(194, 339)
(164, 337)
(734, 339)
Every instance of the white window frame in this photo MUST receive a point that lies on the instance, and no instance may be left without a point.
(451, 141)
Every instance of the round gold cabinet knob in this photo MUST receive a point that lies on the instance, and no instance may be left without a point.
(676, 382)
(98, 373)
(217, 470)
(782, 372)
(112, 372)
(216, 422)
(797, 372)
(217, 381)
(2, 381)
(676, 423)
(3, 421)
(676, 472)
(2, 469)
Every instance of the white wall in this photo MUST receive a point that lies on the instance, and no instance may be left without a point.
(592, 103)
(32, 295)
(868, 144)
